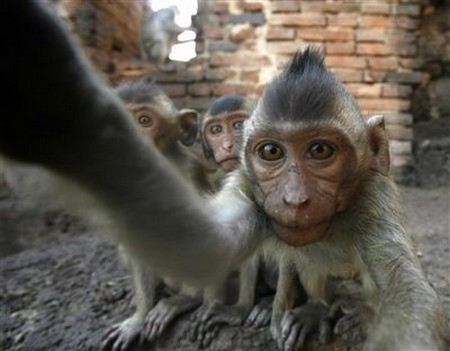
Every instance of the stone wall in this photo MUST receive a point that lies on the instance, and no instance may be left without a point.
(370, 45)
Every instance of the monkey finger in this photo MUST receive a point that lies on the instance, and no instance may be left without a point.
(287, 323)
(210, 336)
(324, 331)
(346, 323)
(263, 319)
(252, 317)
(289, 340)
(300, 342)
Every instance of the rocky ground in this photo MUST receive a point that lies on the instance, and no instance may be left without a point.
(62, 284)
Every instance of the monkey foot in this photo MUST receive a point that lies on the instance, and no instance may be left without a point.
(165, 311)
(209, 318)
(298, 324)
(122, 336)
(260, 314)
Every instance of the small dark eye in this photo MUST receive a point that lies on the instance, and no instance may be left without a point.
(270, 152)
(145, 121)
(238, 125)
(215, 129)
(320, 151)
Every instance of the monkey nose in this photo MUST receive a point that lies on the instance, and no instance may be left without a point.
(295, 200)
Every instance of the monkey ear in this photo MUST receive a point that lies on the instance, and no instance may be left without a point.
(379, 144)
(189, 126)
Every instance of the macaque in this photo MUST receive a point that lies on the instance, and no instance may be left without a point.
(172, 132)
(158, 33)
(222, 127)
(313, 182)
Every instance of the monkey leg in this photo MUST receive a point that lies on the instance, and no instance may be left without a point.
(165, 311)
(298, 324)
(122, 336)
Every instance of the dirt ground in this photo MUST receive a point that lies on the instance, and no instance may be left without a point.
(62, 284)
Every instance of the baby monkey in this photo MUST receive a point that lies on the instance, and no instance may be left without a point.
(172, 131)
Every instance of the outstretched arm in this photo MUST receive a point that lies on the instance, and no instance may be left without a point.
(66, 120)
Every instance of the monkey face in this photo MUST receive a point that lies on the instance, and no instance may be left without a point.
(304, 177)
(223, 134)
(154, 126)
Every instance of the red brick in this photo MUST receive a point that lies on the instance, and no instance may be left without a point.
(251, 6)
(411, 63)
(280, 33)
(384, 104)
(345, 62)
(312, 6)
(174, 90)
(284, 6)
(343, 20)
(375, 21)
(218, 6)
(399, 132)
(299, 19)
(348, 75)
(242, 32)
(221, 73)
(400, 147)
(250, 75)
(376, 8)
(338, 48)
(342, 6)
(199, 89)
(225, 89)
(407, 9)
(364, 90)
(282, 47)
(383, 63)
(318, 34)
(374, 76)
(373, 35)
(405, 119)
(197, 103)
(238, 60)
(405, 23)
(374, 49)
(336, 34)
(211, 31)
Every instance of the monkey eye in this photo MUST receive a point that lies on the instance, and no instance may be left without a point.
(238, 125)
(215, 129)
(270, 152)
(145, 121)
(320, 151)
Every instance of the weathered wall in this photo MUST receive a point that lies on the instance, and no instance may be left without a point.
(370, 45)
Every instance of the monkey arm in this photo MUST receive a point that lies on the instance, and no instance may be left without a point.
(68, 121)
(410, 316)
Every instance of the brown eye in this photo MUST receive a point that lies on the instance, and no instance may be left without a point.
(215, 129)
(270, 152)
(320, 151)
(145, 121)
(238, 125)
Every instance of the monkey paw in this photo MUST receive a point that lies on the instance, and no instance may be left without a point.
(208, 319)
(122, 336)
(165, 311)
(296, 325)
(259, 316)
(352, 319)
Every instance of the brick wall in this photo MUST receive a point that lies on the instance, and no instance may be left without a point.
(370, 45)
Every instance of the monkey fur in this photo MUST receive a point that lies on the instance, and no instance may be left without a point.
(66, 120)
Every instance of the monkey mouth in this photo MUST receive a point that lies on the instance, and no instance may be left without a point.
(229, 163)
(295, 234)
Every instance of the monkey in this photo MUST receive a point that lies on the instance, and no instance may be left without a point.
(171, 131)
(158, 33)
(313, 181)
(221, 132)
(222, 129)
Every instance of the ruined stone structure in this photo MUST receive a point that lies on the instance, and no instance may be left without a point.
(371, 46)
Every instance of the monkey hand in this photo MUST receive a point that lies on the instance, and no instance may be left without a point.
(165, 311)
(260, 314)
(352, 318)
(122, 336)
(297, 324)
(208, 320)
